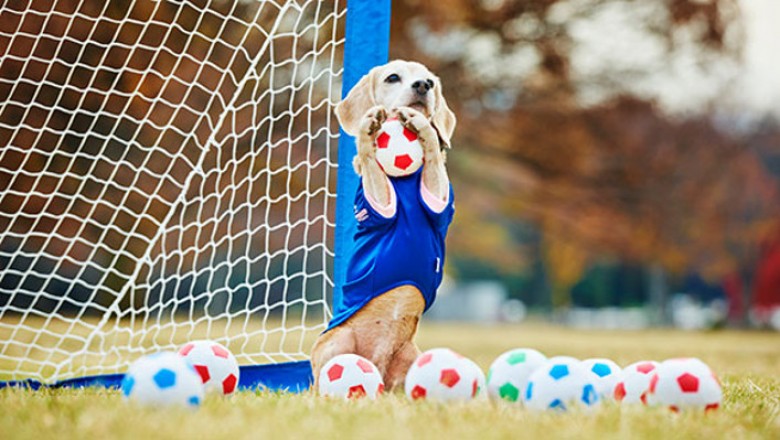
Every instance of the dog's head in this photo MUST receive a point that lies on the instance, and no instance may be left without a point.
(398, 84)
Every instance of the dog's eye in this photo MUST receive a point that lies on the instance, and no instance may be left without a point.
(392, 78)
(430, 83)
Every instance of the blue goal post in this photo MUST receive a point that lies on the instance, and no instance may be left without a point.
(366, 46)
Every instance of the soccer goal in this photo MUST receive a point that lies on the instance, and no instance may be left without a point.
(169, 171)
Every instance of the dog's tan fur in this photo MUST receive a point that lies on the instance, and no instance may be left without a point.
(383, 331)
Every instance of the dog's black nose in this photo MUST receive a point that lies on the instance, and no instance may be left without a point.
(421, 87)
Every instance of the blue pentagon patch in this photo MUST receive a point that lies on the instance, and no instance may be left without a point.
(601, 370)
(589, 395)
(165, 378)
(559, 371)
(558, 404)
(128, 382)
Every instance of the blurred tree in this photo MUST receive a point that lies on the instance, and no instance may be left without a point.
(578, 116)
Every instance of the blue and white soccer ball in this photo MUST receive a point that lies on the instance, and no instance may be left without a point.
(508, 374)
(606, 373)
(561, 384)
(163, 379)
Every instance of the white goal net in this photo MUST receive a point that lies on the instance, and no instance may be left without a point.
(167, 173)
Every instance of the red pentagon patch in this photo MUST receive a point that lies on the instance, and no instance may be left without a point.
(356, 392)
(229, 384)
(380, 389)
(645, 368)
(711, 407)
(424, 359)
(474, 388)
(203, 371)
(620, 391)
(688, 383)
(643, 398)
(653, 383)
(382, 140)
(365, 366)
(334, 373)
(449, 377)
(403, 161)
(219, 351)
(674, 409)
(410, 135)
(418, 392)
(186, 349)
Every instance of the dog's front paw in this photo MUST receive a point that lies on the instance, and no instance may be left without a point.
(417, 123)
(372, 121)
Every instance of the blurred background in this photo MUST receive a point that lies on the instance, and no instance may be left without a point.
(616, 162)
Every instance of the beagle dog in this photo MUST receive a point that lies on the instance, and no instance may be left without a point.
(398, 257)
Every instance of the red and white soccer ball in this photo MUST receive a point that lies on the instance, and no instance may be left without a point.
(634, 382)
(350, 376)
(606, 375)
(398, 150)
(480, 376)
(443, 375)
(216, 365)
(685, 383)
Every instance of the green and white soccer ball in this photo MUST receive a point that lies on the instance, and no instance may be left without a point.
(508, 374)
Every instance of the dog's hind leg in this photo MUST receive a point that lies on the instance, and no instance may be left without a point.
(399, 366)
(340, 340)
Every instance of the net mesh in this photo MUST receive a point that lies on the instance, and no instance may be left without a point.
(167, 173)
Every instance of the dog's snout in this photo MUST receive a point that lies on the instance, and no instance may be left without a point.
(421, 87)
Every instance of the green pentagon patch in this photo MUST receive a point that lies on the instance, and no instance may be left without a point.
(509, 392)
(516, 358)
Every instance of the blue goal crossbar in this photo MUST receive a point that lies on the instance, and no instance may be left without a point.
(367, 42)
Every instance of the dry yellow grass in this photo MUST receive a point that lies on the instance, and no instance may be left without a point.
(748, 363)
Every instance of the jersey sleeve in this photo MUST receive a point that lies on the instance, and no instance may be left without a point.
(369, 215)
(439, 212)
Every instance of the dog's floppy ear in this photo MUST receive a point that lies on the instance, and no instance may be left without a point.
(443, 119)
(356, 104)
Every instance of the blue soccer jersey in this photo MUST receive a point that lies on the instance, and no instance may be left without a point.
(406, 248)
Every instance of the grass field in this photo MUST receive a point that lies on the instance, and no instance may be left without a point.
(747, 362)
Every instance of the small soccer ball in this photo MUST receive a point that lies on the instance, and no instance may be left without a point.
(561, 385)
(685, 383)
(508, 374)
(349, 376)
(398, 150)
(607, 374)
(442, 375)
(634, 382)
(215, 364)
(163, 379)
